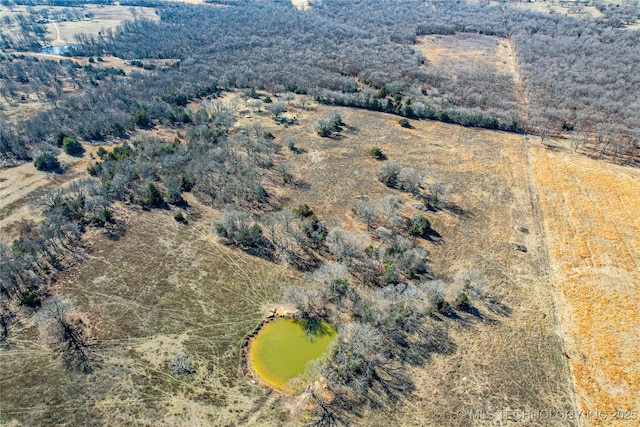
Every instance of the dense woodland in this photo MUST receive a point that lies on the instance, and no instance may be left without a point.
(578, 72)
(580, 81)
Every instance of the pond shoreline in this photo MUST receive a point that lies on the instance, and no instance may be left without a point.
(247, 370)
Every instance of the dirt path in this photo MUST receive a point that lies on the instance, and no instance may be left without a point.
(523, 101)
(58, 39)
(521, 94)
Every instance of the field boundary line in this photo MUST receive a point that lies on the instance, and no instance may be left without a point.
(534, 197)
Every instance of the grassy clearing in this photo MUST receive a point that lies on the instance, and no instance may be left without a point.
(163, 288)
(301, 4)
(511, 357)
(590, 211)
(101, 19)
(466, 52)
(554, 7)
(98, 18)
(160, 289)
(21, 185)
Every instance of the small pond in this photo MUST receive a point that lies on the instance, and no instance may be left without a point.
(282, 349)
(58, 50)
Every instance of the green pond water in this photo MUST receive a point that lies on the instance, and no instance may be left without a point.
(282, 349)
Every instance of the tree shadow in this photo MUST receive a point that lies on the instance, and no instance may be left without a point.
(349, 129)
(497, 307)
(433, 236)
(390, 382)
(301, 184)
(456, 210)
(115, 229)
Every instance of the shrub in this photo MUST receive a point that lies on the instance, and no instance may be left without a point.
(291, 143)
(335, 120)
(419, 226)
(30, 299)
(404, 123)
(141, 118)
(435, 295)
(323, 127)
(71, 146)
(390, 273)
(303, 211)
(103, 217)
(46, 162)
(377, 153)
(154, 197)
(462, 301)
(389, 173)
(314, 229)
(235, 227)
(410, 180)
(267, 99)
(101, 152)
(60, 136)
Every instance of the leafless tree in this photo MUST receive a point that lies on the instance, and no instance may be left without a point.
(64, 328)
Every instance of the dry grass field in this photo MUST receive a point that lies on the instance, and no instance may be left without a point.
(102, 18)
(555, 234)
(508, 358)
(593, 228)
(466, 52)
(21, 185)
(98, 18)
(160, 288)
(554, 7)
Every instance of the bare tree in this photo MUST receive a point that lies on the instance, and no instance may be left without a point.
(364, 210)
(63, 327)
(355, 360)
(410, 180)
(439, 192)
(345, 246)
(276, 109)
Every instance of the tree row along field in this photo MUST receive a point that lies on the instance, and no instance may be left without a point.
(590, 211)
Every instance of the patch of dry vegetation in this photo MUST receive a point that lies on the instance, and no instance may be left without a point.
(301, 4)
(21, 185)
(97, 19)
(511, 356)
(466, 52)
(160, 288)
(590, 210)
(554, 7)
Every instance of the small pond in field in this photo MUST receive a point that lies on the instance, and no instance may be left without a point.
(59, 50)
(282, 349)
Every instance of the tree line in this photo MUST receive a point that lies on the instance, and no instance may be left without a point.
(342, 58)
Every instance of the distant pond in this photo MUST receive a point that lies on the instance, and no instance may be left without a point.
(282, 349)
(58, 50)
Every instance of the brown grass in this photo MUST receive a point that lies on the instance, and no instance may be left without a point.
(591, 215)
(21, 185)
(466, 52)
(159, 289)
(162, 287)
(510, 361)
